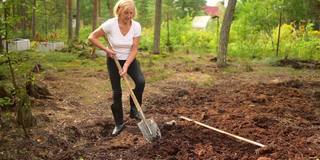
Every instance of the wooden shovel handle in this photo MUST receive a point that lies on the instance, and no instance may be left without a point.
(125, 77)
(133, 96)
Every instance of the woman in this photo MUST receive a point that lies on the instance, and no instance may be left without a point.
(123, 34)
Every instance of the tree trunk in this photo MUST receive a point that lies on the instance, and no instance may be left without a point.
(94, 14)
(5, 15)
(224, 34)
(218, 27)
(279, 33)
(24, 18)
(34, 19)
(170, 49)
(99, 8)
(14, 14)
(69, 21)
(1, 45)
(78, 20)
(110, 4)
(66, 13)
(46, 18)
(183, 8)
(157, 28)
(1, 34)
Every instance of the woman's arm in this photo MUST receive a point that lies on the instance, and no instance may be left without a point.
(94, 39)
(132, 55)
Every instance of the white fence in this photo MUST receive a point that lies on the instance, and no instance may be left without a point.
(17, 45)
(50, 46)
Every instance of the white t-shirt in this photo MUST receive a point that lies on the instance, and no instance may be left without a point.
(120, 43)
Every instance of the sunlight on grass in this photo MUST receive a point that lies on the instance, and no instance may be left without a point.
(158, 75)
(200, 79)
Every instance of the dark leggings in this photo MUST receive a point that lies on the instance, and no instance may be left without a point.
(135, 73)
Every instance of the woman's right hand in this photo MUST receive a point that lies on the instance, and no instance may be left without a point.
(110, 53)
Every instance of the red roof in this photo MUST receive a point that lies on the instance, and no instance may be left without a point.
(212, 10)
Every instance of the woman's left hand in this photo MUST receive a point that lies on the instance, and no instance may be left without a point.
(123, 71)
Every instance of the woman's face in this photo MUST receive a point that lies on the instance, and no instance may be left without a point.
(127, 14)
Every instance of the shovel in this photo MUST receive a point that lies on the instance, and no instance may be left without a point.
(148, 127)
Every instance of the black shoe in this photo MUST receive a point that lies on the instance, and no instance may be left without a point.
(134, 114)
(117, 129)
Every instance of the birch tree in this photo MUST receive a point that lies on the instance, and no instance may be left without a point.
(224, 34)
(157, 27)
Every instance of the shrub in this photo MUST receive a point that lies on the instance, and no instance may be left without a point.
(182, 37)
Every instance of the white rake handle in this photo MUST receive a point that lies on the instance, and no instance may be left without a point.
(223, 132)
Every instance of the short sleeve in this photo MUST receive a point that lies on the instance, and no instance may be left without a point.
(106, 26)
(137, 30)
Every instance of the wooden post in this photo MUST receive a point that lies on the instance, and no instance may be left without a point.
(218, 27)
(69, 22)
(168, 33)
(77, 21)
(157, 27)
(279, 30)
(94, 14)
(34, 19)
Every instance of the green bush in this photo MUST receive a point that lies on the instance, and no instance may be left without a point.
(250, 42)
(84, 33)
(182, 37)
(306, 49)
(5, 101)
(302, 43)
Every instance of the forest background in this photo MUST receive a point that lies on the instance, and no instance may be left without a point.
(254, 32)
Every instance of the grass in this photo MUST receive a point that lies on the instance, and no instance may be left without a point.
(155, 67)
(23, 63)
(50, 60)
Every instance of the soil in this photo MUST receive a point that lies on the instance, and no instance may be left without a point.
(275, 108)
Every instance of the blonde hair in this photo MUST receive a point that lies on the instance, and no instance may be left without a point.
(123, 5)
